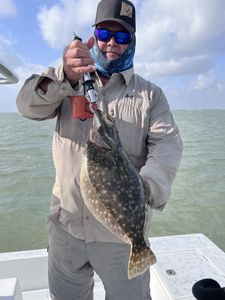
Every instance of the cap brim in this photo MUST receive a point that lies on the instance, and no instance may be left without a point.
(124, 24)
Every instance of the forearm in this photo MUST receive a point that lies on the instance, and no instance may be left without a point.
(165, 147)
(161, 168)
(41, 95)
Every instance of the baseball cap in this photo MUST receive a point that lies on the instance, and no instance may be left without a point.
(120, 11)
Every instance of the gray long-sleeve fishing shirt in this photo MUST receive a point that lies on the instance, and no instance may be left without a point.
(146, 128)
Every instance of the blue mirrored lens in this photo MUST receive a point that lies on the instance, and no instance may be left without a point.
(103, 35)
(121, 37)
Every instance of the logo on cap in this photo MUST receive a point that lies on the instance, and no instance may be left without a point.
(126, 10)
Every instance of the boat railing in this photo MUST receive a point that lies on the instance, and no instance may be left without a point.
(7, 76)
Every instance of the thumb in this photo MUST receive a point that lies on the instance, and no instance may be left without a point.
(90, 43)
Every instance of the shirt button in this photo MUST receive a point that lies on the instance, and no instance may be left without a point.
(87, 217)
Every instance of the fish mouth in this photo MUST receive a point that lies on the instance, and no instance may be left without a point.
(96, 139)
(98, 120)
(104, 132)
(98, 113)
(103, 119)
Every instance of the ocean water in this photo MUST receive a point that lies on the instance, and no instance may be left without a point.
(197, 203)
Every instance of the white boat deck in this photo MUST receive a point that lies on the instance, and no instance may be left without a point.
(182, 260)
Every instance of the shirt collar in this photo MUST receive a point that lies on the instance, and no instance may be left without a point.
(126, 75)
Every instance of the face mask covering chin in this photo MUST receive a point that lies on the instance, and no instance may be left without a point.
(107, 67)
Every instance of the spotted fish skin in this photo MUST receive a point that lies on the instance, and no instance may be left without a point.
(113, 191)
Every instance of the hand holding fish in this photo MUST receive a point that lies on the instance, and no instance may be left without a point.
(77, 60)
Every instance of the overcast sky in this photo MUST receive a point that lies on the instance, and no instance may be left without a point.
(180, 44)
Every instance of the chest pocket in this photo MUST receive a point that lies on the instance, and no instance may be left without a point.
(131, 114)
(76, 130)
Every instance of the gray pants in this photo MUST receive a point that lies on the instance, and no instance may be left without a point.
(71, 265)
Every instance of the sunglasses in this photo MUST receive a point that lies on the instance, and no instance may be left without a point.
(121, 37)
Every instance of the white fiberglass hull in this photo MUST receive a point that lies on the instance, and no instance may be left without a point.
(182, 261)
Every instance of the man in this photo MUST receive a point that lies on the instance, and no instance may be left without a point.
(78, 243)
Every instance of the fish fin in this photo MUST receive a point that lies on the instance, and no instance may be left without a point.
(140, 261)
(147, 191)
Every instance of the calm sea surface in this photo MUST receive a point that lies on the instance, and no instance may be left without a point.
(197, 203)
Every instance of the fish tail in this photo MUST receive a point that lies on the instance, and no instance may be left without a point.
(140, 260)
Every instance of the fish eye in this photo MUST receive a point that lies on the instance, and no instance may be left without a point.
(110, 123)
(110, 120)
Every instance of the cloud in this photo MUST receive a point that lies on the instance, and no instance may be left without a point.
(181, 26)
(174, 66)
(205, 81)
(21, 66)
(181, 33)
(58, 22)
(221, 87)
(7, 43)
(173, 37)
(7, 8)
(180, 44)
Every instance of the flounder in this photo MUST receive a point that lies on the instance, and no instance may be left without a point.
(115, 193)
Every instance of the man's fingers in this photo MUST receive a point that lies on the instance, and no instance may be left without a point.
(77, 44)
(90, 43)
(77, 59)
(77, 53)
(79, 62)
(82, 70)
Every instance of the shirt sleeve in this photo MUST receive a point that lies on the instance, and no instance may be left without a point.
(33, 103)
(165, 147)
